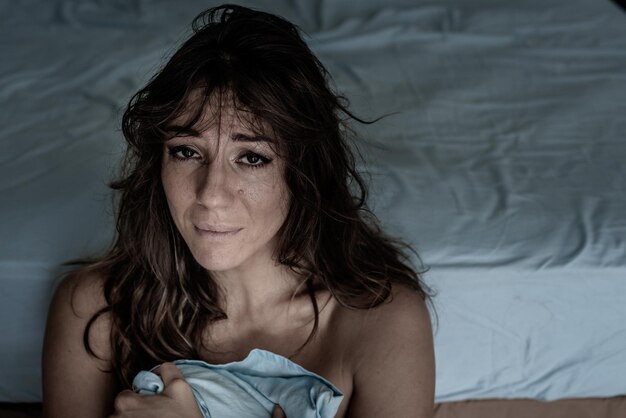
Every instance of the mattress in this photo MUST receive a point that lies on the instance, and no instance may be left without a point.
(500, 160)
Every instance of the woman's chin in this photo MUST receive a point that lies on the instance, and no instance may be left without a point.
(217, 265)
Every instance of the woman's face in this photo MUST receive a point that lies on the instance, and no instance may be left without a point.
(226, 193)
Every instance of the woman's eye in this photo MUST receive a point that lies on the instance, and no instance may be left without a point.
(182, 153)
(253, 160)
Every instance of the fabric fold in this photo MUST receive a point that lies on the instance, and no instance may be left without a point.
(251, 387)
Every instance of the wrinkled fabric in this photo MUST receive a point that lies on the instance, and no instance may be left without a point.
(250, 388)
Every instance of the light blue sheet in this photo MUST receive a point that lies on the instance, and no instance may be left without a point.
(251, 387)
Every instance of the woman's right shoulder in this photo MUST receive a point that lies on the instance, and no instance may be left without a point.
(74, 380)
(76, 299)
(82, 290)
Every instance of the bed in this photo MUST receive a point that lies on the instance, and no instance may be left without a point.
(501, 161)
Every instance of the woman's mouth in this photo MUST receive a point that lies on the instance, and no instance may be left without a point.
(219, 235)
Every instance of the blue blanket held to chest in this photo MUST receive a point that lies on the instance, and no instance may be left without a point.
(250, 388)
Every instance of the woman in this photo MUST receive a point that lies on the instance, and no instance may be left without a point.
(238, 229)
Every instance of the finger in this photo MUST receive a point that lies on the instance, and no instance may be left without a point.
(169, 372)
(278, 412)
(126, 400)
(175, 384)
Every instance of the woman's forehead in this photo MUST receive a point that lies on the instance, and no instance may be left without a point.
(219, 110)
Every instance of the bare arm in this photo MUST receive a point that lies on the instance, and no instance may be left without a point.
(73, 383)
(394, 372)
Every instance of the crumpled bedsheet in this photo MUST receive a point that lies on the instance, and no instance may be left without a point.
(251, 387)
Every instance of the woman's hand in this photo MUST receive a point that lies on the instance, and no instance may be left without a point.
(176, 400)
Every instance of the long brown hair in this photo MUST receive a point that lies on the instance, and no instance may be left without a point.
(159, 298)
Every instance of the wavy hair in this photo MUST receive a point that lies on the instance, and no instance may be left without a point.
(160, 300)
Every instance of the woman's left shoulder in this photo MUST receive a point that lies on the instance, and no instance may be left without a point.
(391, 354)
(403, 310)
(403, 318)
(404, 301)
(403, 314)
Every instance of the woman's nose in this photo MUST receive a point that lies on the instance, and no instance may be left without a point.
(215, 185)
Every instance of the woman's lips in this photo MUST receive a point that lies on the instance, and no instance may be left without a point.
(216, 236)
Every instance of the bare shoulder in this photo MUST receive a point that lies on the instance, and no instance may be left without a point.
(77, 298)
(403, 316)
(85, 290)
(76, 383)
(392, 357)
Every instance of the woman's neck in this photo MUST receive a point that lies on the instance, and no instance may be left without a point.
(257, 291)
